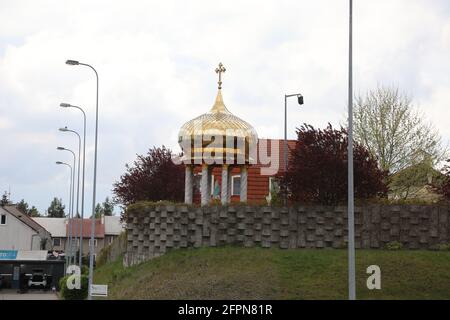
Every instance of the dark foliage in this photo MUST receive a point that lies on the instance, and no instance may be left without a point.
(56, 209)
(74, 294)
(153, 177)
(317, 172)
(5, 200)
(24, 207)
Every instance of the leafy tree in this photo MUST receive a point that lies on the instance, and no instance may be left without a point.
(33, 212)
(152, 177)
(443, 188)
(106, 208)
(386, 123)
(98, 210)
(23, 206)
(317, 172)
(56, 209)
(409, 182)
(5, 199)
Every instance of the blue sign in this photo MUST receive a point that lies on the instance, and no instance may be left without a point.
(8, 254)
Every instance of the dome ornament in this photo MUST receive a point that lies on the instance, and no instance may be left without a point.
(220, 70)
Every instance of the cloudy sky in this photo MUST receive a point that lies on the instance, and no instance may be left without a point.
(156, 62)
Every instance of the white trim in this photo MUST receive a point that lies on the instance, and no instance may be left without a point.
(95, 243)
(270, 183)
(232, 185)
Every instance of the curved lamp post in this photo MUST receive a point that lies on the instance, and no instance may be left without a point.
(68, 239)
(66, 105)
(92, 248)
(65, 129)
(71, 233)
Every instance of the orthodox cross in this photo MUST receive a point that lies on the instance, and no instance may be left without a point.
(219, 70)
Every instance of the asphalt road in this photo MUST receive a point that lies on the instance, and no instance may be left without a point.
(11, 294)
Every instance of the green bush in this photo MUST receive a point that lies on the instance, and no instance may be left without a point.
(102, 258)
(84, 269)
(74, 294)
(441, 247)
(394, 245)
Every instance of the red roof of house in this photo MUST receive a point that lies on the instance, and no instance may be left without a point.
(99, 228)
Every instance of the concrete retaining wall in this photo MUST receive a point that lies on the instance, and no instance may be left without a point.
(153, 230)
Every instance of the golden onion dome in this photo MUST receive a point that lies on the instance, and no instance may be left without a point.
(217, 134)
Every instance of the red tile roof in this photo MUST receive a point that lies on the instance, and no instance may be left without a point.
(99, 228)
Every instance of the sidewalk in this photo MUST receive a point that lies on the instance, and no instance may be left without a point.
(11, 294)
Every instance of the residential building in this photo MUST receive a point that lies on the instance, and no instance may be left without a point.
(107, 228)
(57, 229)
(20, 232)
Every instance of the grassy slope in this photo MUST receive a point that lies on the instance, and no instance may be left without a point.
(256, 273)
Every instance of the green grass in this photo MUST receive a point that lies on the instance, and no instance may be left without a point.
(256, 273)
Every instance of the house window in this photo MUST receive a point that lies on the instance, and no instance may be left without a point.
(274, 185)
(3, 219)
(56, 242)
(95, 242)
(236, 185)
(198, 182)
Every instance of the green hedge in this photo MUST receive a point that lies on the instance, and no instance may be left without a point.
(74, 294)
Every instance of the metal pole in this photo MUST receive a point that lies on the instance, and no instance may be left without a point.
(78, 192)
(286, 156)
(68, 235)
(92, 247)
(351, 209)
(71, 204)
(285, 149)
(82, 190)
(70, 213)
(74, 239)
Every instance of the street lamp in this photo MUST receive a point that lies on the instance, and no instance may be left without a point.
(68, 239)
(92, 248)
(351, 200)
(300, 102)
(73, 193)
(65, 129)
(66, 105)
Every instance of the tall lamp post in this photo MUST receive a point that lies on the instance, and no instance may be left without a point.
(92, 248)
(351, 202)
(300, 102)
(71, 233)
(70, 204)
(66, 105)
(65, 129)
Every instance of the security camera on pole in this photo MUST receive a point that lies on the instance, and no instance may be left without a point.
(286, 161)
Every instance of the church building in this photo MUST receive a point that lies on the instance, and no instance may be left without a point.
(225, 161)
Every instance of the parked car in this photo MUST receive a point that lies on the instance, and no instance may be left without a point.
(38, 278)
